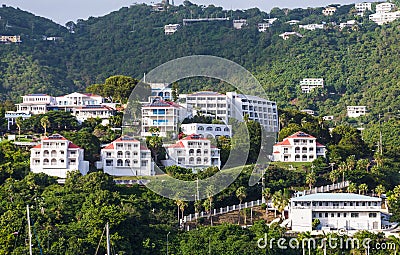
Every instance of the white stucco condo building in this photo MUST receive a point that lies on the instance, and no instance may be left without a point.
(335, 211)
(126, 157)
(55, 156)
(356, 111)
(308, 84)
(299, 147)
(207, 130)
(164, 115)
(193, 151)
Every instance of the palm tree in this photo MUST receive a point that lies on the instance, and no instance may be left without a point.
(197, 207)
(379, 190)
(333, 176)
(280, 201)
(342, 168)
(267, 195)
(352, 188)
(18, 122)
(182, 207)
(379, 160)
(241, 194)
(45, 124)
(311, 179)
(178, 203)
(363, 188)
(210, 199)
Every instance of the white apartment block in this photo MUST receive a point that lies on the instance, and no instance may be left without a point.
(207, 130)
(293, 22)
(86, 112)
(328, 117)
(356, 111)
(329, 11)
(299, 147)
(263, 27)
(335, 211)
(349, 23)
(271, 21)
(384, 7)
(162, 90)
(193, 151)
(308, 84)
(256, 108)
(239, 23)
(164, 115)
(10, 39)
(384, 17)
(55, 156)
(308, 111)
(363, 7)
(171, 28)
(208, 103)
(312, 26)
(11, 117)
(81, 105)
(126, 157)
(285, 36)
(234, 105)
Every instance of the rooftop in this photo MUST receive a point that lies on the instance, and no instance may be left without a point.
(335, 197)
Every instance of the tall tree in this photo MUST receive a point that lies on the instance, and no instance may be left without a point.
(241, 194)
(45, 124)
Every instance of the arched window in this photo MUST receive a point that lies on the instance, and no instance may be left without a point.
(46, 162)
(127, 154)
(200, 128)
(217, 129)
(198, 161)
(304, 158)
(205, 151)
(160, 94)
(205, 160)
(297, 158)
(135, 162)
(54, 162)
(198, 151)
(209, 129)
(46, 153)
(191, 161)
(120, 154)
(53, 153)
(226, 129)
(191, 152)
(119, 162)
(127, 162)
(304, 150)
(297, 150)
(167, 94)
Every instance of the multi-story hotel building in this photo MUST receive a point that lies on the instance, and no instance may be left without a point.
(308, 84)
(193, 151)
(298, 147)
(164, 115)
(207, 130)
(55, 156)
(356, 111)
(126, 157)
(335, 211)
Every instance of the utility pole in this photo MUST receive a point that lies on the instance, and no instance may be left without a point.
(108, 239)
(29, 229)
(380, 148)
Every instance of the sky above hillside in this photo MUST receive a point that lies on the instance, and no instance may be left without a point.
(62, 11)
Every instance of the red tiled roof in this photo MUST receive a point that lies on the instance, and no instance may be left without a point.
(276, 152)
(194, 137)
(126, 139)
(284, 142)
(300, 135)
(320, 145)
(143, 148)
(37, 146)
(109, 147)
(177, 145)
(73, 146)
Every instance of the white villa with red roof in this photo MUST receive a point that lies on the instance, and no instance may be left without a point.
(193, 151)
(55, 156)
(164, 115)
(299, 147)
(126, 157)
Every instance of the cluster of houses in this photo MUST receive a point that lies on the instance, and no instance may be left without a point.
(129, 156)
(8, 39)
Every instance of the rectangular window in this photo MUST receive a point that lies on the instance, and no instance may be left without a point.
(338, 215)
(109, 163)
(344, 215)
(332, 215)
(372, 215)
(354, 215)
(326, 215)
(144, 162)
